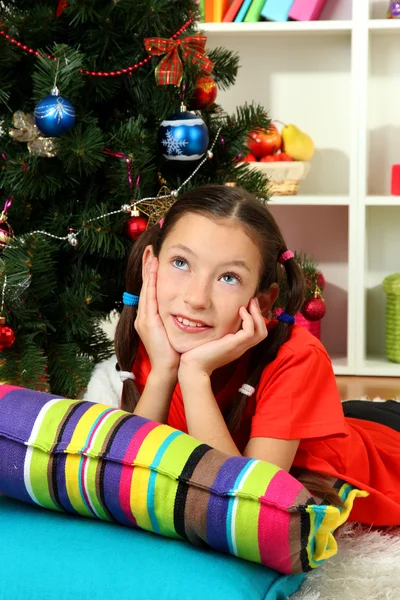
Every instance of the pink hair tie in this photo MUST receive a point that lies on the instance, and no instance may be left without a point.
(285, 256)
(161, 223)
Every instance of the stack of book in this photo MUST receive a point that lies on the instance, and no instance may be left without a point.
(251, 11)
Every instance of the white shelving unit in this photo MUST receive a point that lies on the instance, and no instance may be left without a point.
(338, 80)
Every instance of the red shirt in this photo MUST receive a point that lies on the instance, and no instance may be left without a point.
(297, 398)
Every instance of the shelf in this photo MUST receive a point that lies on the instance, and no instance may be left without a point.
(340, 365)
(380, 366)
(377, 26)
(291, 27)
(382, 201)
(309, 200)
(336, 27)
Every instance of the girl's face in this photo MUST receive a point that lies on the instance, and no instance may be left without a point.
(207, 271)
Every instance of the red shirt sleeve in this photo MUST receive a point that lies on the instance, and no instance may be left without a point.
(297, 397)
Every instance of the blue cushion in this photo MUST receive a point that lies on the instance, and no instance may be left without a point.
(47, 555)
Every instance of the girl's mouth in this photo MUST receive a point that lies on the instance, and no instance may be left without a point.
(189, 326)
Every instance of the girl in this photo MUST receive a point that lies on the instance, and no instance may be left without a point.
(196, 351)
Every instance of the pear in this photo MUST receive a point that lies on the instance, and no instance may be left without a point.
(296, 143)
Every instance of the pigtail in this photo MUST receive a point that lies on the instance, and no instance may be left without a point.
(266, 351)
(126, 340)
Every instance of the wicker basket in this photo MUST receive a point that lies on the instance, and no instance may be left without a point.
(391, 285)
(285, 177)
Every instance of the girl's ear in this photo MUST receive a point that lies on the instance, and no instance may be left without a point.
(267, 299)
(147, 257)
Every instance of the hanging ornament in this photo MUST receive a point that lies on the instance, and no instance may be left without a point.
(72, 238)
(62, 5)
(183, 137)
(26, 131)
(6, 234)
(6, 231)
(314, 309)
(54, 114)
(135, 226)
(7, 335)
(205, 93)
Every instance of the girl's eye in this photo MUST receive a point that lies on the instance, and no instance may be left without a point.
(180, 263)
(230, 278)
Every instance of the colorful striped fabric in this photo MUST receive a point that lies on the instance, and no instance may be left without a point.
(96, 461)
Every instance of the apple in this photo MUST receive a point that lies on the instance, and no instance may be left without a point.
(264, 142)
(270, 158)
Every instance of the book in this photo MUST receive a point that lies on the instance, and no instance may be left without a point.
(202, 13)
(243, 11)
(232, 11)
(306, 10)
(209, 11)
(277, 10)
(254, 12)
(220, 8)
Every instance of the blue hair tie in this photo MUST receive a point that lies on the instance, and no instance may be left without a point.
(285, 318)
(130, 299)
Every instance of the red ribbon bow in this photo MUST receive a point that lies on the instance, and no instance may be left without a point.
(170, 69)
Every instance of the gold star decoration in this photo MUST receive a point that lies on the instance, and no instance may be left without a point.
(156, 209)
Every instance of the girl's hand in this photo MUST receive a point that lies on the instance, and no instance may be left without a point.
(163, 358)
(212, 355)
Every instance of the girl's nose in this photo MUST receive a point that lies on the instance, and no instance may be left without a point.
(197, 294)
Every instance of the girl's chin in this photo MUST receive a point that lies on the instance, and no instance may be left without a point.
(182, 347)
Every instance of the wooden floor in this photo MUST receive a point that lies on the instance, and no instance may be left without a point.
(351, 388)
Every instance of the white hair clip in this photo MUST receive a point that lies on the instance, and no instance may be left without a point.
(124, 375)
(247, 389)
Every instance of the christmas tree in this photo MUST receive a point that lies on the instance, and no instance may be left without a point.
(85, 87)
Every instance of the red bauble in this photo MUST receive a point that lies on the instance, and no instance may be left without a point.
(264, 142)
(134, 227)
(62, 5)
(314, 309)
(205, 93)
(321, 281)
(7, 335)
(6, 234)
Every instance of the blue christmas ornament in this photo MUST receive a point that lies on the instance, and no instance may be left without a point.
(183, 137)
(54, 115)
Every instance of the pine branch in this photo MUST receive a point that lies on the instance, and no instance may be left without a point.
(226, 67)
(69, 370)
(81, 150)
(24, 364)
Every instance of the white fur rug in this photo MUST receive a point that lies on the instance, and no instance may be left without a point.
(367, 565)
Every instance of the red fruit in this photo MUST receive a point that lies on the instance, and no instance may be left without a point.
(270, 158)
(249, 158)
(285, 157)
(263, 142)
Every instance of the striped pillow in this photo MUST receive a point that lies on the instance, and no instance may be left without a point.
(96, 461)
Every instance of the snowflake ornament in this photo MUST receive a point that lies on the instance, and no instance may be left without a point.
(183, 137)
(173, 145)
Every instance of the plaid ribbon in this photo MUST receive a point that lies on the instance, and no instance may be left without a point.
(170, 69)
(62, 5)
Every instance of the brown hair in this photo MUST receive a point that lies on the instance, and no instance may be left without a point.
(215, 202)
